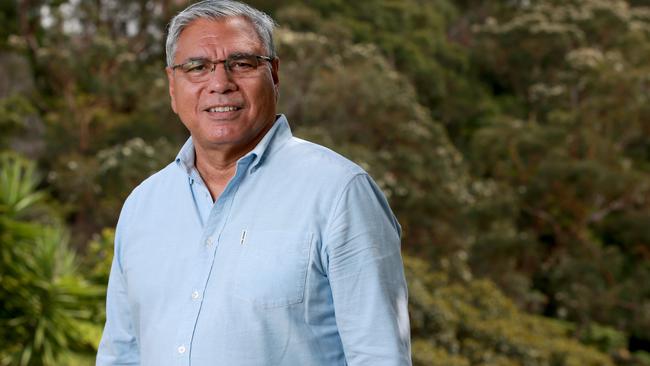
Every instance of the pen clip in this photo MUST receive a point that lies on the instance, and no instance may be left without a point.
(243, 237)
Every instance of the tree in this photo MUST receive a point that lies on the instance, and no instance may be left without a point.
(471, 322)
(422, 40)
(572, 164)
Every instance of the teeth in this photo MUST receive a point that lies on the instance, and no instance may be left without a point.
(222, 109)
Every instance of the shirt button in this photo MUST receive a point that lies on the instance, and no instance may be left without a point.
(209, 241)
(181, 349)
(195, 295)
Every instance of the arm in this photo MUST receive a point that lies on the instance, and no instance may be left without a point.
(118, 345)
(367, 277)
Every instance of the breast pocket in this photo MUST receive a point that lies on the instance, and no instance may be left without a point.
(272, 267)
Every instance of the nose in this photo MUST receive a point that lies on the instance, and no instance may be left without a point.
(219, 80)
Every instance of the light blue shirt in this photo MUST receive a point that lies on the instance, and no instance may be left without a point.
(297, 263)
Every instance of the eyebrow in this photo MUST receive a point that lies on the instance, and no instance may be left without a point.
(196, 59)
(230, 56)
(240, 54)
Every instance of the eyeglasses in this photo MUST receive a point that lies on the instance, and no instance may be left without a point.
(237, 66)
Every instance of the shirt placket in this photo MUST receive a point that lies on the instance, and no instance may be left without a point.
(210, 239)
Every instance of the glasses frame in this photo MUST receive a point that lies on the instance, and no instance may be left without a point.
(226, 64)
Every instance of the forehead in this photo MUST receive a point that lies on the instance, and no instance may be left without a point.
(207, 37)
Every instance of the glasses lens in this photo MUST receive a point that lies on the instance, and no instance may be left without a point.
(240, 65)
(196, 70)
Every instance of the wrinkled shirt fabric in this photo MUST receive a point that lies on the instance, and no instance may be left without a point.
(296, 263)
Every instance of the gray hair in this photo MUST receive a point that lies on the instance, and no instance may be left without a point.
(216, 10)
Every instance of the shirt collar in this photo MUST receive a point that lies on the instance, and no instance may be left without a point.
(279, 133)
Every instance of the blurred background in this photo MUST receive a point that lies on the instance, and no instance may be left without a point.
(511, 137)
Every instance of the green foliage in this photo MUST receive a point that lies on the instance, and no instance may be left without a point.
(18, 181)
(415, 38)
(607, 339)
(44, 299)
(472, 323)
(14, 110)
(8, 12)
(574, 162)
(96, 266)
(99, 257)
(643, 357)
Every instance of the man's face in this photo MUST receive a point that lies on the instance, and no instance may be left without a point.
(223, 113)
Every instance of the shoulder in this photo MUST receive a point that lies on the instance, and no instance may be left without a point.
(333, 177)
(158, 184)
(316, 160)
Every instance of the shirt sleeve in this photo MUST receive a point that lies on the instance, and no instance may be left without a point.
(118, 345)
(366, 275)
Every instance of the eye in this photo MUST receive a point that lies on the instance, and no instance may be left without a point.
(242, 63)
(195, 67)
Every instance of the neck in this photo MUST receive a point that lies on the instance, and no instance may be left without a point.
(218, 165)
(216, 169)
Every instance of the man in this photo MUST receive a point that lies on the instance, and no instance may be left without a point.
(253, 247)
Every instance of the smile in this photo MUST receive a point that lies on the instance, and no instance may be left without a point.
(223, 109)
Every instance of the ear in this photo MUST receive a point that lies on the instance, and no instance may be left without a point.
(275, 69)
(170, 80)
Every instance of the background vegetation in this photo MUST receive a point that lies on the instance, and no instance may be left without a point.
(512, 139)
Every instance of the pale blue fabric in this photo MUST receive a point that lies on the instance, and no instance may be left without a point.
(296, 263)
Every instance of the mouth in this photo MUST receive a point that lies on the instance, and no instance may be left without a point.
(222, 109)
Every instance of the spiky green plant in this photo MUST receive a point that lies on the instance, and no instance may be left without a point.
(45, 302)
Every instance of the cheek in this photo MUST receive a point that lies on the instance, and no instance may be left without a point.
(186, 100)
(266, 95)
